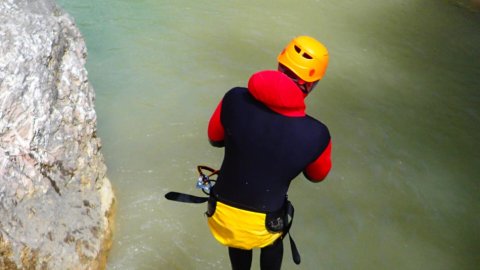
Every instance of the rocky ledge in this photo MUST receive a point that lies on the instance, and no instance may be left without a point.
(56, 203)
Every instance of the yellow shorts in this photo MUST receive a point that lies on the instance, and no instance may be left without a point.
(238, 228)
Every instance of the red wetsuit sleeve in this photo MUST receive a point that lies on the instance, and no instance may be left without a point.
(319, 169)
(216, 132)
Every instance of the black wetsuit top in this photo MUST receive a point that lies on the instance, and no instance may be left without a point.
(264, 151)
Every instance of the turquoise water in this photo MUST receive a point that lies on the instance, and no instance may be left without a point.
(401, 98)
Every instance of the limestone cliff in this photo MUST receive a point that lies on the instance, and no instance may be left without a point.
(55, 199)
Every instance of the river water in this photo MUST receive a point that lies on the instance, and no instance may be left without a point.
(401, 98)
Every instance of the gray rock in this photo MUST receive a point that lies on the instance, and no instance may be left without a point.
(56, 203)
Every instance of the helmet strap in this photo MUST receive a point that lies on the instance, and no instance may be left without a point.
(305, 87)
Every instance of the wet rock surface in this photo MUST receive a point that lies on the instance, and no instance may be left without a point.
(56, 203)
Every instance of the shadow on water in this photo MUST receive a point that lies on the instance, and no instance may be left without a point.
(471, 5)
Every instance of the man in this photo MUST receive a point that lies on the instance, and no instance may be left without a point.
(268, 140)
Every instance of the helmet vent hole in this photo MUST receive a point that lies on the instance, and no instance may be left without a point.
(297, 49)
(308, 56)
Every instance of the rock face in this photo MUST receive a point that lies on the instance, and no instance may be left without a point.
(56, 203)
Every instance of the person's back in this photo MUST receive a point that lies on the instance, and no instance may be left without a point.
(264, 149)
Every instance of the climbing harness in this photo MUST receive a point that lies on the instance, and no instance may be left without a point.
(272, 225)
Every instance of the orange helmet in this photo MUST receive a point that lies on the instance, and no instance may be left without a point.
(306, 57)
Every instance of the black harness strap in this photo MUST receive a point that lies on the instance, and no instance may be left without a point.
(186, 198)
(293, 246)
